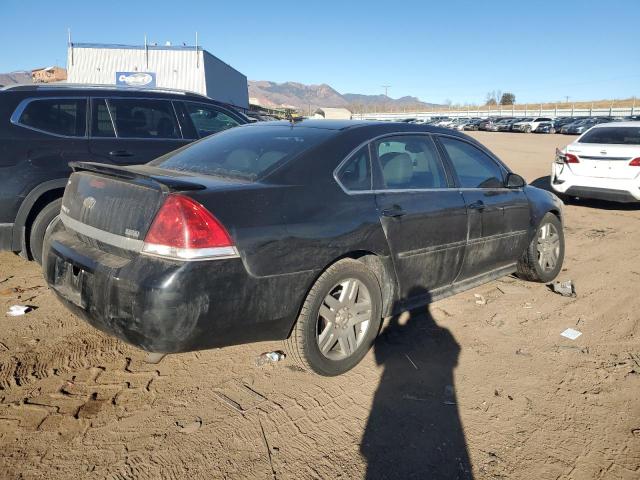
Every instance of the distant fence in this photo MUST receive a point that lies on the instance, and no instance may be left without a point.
(505, 112)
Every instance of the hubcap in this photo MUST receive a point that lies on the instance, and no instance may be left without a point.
(343, 319)
(548, 247)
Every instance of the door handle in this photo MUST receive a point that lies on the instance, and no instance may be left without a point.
(478, 205)
(120, 153)
(394, 211)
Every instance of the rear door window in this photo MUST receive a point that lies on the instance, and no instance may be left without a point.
(475, 169)
(209, 120)
(410, 162)
(144, 118)
(66, 117)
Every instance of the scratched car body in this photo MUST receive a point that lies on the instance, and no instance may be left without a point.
(310, 232)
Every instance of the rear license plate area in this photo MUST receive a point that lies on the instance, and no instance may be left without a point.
(69, 281)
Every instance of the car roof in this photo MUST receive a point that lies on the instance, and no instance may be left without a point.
(81, 87)
(380, 127)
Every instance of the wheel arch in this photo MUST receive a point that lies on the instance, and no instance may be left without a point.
(382, 268)
(33, 203)
(557, 213)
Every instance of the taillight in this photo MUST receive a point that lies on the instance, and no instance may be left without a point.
(570, 158)
(184, 229)
(635, 162)
(565, 157)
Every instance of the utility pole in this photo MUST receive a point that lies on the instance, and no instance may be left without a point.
(566, 99)
(386, 89)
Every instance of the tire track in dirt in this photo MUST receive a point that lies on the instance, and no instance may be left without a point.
(83, 350)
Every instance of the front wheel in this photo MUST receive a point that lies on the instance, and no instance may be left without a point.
(542, 260)
(339, 320)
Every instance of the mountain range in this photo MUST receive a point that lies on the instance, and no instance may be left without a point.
(14, 78)
(304, 98)
(308, 98)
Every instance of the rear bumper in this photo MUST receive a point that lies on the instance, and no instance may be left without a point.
(610, 189)
(6, 236)
(170, 306)
(602, 194)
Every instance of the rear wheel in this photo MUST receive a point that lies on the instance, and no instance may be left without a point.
(339, 320)
(39, 226)
(542, 260)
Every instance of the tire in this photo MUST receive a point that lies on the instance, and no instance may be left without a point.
(536, 266)
(39, 226)
(527, 129)
(329, 324)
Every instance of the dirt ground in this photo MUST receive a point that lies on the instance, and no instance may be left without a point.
(459, 390)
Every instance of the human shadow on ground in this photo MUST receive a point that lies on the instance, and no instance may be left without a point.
(414, 429)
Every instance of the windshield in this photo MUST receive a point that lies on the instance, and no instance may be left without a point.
(243, 152)
(613, 135)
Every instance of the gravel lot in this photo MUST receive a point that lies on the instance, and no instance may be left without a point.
(459, 390)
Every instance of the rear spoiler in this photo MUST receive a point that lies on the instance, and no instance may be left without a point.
(165, 183)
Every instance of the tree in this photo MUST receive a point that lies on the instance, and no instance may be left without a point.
(508, 99)
(493, 97)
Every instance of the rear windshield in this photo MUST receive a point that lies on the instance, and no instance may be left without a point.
(243, 152)
(613, 135)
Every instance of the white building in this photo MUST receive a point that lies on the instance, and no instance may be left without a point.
(333, 113)
(180, 67)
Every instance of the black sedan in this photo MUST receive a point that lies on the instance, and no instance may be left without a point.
(310, 232)
(546, 127)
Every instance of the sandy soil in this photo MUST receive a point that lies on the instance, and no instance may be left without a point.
(460, 390)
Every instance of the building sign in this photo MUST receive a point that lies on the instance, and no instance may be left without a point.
(136, 79)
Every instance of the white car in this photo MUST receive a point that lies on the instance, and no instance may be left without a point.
(603, 163)
(530, 125)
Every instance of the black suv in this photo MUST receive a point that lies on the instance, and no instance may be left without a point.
(43, 128)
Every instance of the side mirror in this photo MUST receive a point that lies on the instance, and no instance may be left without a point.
(514, 180)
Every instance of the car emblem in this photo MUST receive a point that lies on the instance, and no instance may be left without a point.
(89, 203)
(131, 233)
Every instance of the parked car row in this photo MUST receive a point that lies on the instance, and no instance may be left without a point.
(565, 125)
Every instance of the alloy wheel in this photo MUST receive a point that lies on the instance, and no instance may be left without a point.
(548, 247)
(343, 319)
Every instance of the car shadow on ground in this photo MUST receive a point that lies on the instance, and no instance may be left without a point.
(414, 429)
(545, 184)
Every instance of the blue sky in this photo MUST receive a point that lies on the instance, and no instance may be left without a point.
(458, 50)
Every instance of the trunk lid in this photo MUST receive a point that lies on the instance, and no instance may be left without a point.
(604, 161)
(109, 205)
(115, 206)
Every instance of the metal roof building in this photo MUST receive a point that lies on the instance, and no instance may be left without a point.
(179, 67)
